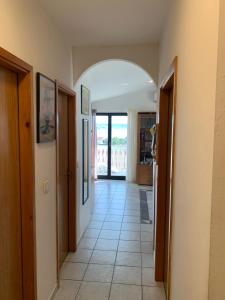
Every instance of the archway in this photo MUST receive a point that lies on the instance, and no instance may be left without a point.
(118, 83)
(119, 86)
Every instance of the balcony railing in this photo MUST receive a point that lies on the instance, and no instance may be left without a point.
(118, 159)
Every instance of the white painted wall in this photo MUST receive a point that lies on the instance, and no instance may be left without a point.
(146, 56)
(191, 33)
(140, 101)
(83, 211)
(217, 253)
(28, 33)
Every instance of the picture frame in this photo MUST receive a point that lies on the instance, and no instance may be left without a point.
(46, 109)
(85, 160)
(85, 100)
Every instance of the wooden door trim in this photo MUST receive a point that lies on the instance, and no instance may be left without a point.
(72, 166)
(14, 63)
(26, 141)
(170, 78)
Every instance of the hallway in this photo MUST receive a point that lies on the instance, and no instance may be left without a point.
(114, 259)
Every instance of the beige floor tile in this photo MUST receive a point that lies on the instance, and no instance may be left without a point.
(93, 291)
(73, 271)
(130, 246)
(97, 217)
(147, 260)
(128, 259)
(114, 218)
(153, 293)
(100, 273)
(125, 292)
(87, 243)
(130, 235)
(147, 227)
(68, 290)
(95, 224)
(146, 247)
(131, 219)
(92, 233)
(103, 257)
(132, 212)
(110, 234)
(103, 244)
(82, 256)
(148, 277)
(127, 275)
(131, 226)
(146, 236)
(111, 226)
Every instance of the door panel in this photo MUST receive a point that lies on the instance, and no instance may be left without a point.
(102, 129)
(118, 145)
(63, 194)
(168, 189)
(10, 206)
(111, 145)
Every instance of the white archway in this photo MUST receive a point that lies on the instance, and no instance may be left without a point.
(125, 78)
(121, 64)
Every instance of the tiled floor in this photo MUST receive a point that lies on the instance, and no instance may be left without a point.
(114, 260)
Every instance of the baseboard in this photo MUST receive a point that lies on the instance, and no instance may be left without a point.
(53, 292)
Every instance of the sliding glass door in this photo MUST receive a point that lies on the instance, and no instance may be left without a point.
(111, 145)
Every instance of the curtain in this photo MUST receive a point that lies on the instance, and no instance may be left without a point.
(131, 146)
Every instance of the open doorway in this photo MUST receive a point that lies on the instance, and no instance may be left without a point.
(111, 156)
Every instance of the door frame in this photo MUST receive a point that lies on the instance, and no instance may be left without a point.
(170, 80)
(109, 176)
(27, 169)
(72, 215)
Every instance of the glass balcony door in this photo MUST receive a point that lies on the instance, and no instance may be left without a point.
(111, 145)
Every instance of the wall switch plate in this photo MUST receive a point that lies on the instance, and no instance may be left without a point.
(45, 186)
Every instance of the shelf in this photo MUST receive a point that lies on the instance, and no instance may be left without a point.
(144, 170)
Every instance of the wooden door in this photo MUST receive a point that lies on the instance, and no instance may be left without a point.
(63, 168)
(168, 187)
(10, 202)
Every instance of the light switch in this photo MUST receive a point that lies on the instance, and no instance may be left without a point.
(45, 186)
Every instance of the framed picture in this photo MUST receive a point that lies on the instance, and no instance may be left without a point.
(85, 100)
(85, 161)
(46, 109)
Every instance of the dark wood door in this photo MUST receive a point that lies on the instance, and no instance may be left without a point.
(10, 204)
(63, 181)
(168, 187)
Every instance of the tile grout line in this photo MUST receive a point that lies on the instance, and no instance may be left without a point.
(141, 253)
(115, 259)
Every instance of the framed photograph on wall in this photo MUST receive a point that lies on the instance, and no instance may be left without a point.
(46, 109)
(85, 100)
(85, 161)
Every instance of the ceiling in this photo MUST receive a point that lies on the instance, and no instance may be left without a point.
(113, 78)
(108, 22)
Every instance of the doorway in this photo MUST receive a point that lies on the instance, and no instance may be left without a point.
(164, 180)
(17, 208)
(66, 172)
(111, 151)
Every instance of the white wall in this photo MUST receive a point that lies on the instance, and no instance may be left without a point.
(83, 211)
(191, 33)
(146, 56)
(217, 257)
(29, 34)
(140, 101)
